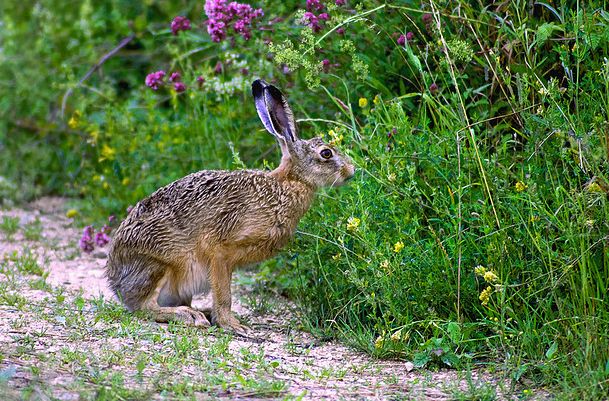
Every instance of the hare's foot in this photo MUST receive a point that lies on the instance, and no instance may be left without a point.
(204, 309)
(228, 321)
(183, 314)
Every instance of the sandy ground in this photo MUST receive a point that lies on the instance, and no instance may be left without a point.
(302, 358)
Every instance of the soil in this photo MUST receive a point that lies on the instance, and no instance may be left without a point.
(312, 369)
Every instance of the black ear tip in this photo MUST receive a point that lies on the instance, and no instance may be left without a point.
(275, 93)
(258, 86)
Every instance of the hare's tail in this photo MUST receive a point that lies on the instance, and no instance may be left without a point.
(133, 280)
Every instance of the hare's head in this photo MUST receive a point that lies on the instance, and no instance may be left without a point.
(312, 161)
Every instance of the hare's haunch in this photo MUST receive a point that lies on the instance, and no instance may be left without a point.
(188, 237)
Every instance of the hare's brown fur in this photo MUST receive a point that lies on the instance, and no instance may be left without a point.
(189, 236)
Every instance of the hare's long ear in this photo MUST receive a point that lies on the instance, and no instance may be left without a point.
(274, 112)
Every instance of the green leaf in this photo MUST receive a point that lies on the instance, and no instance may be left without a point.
(544, 31)
(421, 359)
(552, 350)
(454, 332)
(450, 359)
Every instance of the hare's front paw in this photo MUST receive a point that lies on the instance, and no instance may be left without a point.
(182, 314)
(229, 322)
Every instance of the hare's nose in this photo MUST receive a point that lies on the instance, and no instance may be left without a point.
(348, 172)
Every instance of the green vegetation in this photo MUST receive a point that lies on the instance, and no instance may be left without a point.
(476, 228)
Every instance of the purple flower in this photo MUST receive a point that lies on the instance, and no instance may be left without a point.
(101, 239)
(245, 71)
(105, 229)
(427, 19)
(200, 80)
(180, 23)
(153, 80)
(340, 31)
(409, 35)
(312, 21)
(433, 88)
(111, 219)
(325, 64)
(179, 87)
(402, 40)
(86, 240)
(218, 68)
(340, 2)
(221, 16)
(314, 5)
(323, 16)
(175, 77)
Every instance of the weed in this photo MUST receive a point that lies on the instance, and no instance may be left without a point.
(9, 226)
(32, 231)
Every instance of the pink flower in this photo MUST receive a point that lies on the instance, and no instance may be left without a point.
(101, 239)
(312, 21)
(155, 79)
(433, 88)
(402, 40)
(179, 87)
(314, 5)
(86, 240)
(175, 77)
(180, 23)
(222, 16)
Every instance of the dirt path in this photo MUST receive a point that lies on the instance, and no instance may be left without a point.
(63, 336)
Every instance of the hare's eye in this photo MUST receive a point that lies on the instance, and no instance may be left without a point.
(326, 153)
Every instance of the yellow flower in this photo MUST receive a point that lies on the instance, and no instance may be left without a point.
(353, 223)
(377, 99)
(73, 122)
(594, 187)
(398, 246)
(71, 213)
(534, 218)
(107, 153)
(335, 139)
(105, 185)
(379, 342)
(125, 181)
(397, 336)
(336, 257)
(363, 102)
(385, 264)
(391, 177)
(94, 136)
(480, 270)
(490, 277)
(485, 295)
(520, 186)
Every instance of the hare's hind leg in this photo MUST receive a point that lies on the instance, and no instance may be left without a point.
(171, 311)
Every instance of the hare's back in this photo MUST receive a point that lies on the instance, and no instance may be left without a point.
(212, 202)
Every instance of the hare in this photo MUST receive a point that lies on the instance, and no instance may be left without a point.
(188, 237)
